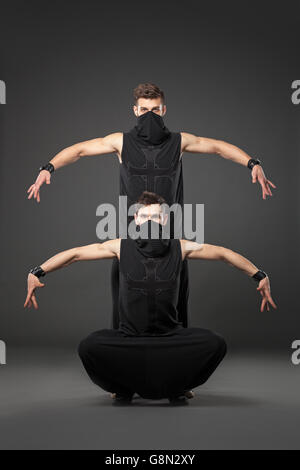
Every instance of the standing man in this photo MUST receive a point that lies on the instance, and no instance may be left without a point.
(150, 160)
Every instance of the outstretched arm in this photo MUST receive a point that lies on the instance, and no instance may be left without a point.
(195, 144)
(102, 145)
(109, 249)
(194, 250)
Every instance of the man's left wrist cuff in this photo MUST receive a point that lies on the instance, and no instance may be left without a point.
(37, 271)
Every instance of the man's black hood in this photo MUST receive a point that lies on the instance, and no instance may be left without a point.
(151, 246)
(150, 129)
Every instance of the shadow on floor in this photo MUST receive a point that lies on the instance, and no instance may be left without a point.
(201, 400)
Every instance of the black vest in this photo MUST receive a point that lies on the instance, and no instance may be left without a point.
(155, 168)
(148, 290)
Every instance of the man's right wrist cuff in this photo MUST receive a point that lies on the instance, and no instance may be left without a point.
(259, 275)
(252, 162)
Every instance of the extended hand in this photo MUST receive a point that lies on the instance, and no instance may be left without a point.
(265, 291)
(32, 283)
(258, 175)
(43, 177)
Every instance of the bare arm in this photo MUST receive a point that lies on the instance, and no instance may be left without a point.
(109, 249)
(99, 146)
(195, 144)
(102, 145)
(193, 250)
(80, 253)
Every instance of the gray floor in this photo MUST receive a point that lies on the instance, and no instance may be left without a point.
(47, 402)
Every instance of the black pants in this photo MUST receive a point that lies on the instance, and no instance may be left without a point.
(182, 305)
(153, 367)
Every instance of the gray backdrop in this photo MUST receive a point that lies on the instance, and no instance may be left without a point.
(70, 68)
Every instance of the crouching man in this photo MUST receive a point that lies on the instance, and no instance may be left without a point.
(151, 353)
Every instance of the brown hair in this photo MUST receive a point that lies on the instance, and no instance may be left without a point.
(148, 91)
(147, 198)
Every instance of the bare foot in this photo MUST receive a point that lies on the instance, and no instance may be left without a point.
(112, 395)
(189, 394)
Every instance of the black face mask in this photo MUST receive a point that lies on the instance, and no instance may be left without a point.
(152, 247)
(151, 129)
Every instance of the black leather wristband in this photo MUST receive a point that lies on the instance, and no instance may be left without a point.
(37, 271)
(49, 167)
(259, 275)
(252, 162)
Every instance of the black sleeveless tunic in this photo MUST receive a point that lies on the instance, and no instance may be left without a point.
(155, 168)
(149, 289)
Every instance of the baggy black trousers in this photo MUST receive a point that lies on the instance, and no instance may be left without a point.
(183, 296)
(153, 367)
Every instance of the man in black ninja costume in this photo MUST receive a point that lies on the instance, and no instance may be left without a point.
(150, 353)
(150, 159)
